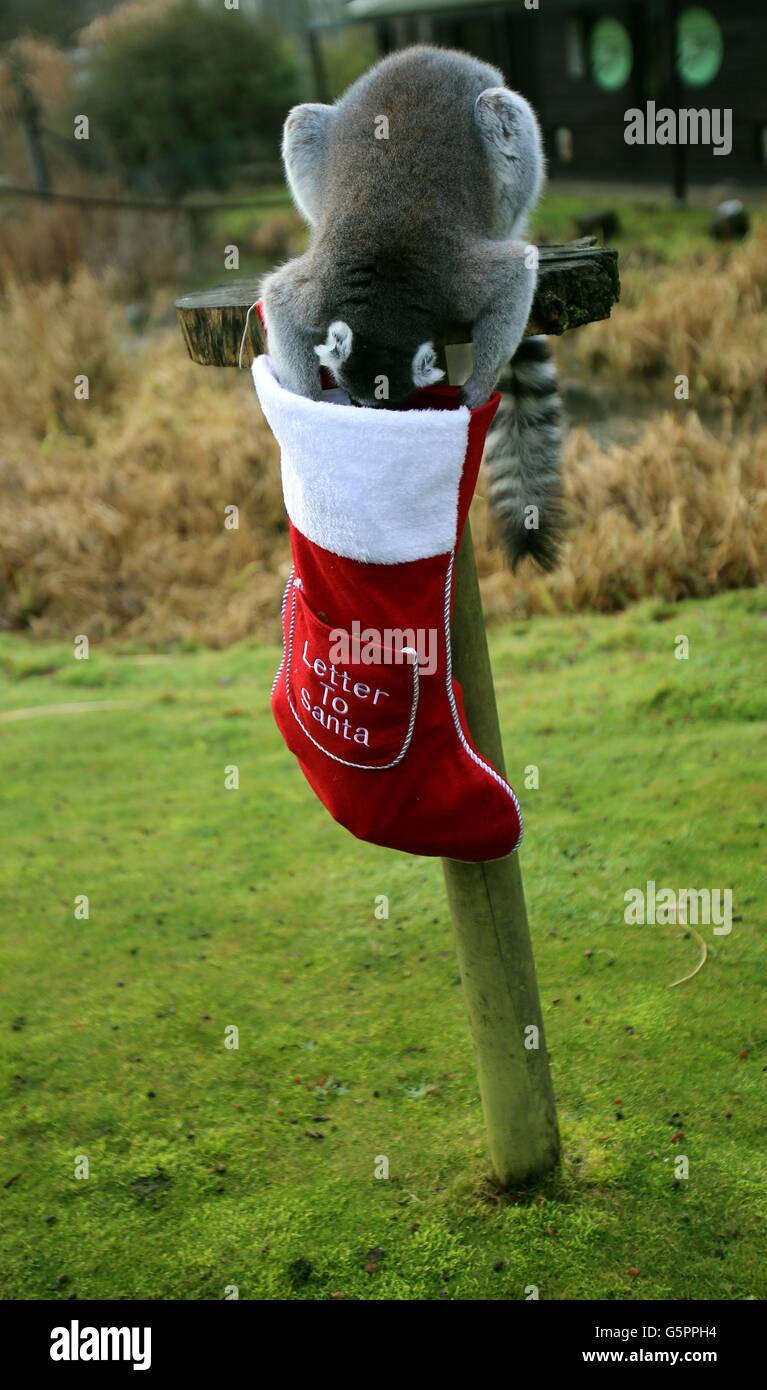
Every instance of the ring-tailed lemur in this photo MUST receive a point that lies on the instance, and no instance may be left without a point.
(417, 185)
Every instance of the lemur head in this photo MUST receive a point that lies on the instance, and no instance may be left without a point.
(372, 374)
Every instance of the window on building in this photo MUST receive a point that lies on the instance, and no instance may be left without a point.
(699, 47)
(611, 54)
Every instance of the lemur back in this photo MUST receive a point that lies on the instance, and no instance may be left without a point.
(424, 163)
(417, 184)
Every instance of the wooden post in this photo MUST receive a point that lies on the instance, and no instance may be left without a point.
(577, 284)
(492, 938)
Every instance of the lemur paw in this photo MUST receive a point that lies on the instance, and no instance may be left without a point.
(301, 382)
(474, 393)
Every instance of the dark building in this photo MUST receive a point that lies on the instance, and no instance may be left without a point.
(584, 63)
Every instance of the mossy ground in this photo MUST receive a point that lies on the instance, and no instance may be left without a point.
(255, 1167)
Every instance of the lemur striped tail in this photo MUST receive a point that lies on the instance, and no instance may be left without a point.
(523, 457)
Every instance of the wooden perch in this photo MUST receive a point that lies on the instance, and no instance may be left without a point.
(577, 283)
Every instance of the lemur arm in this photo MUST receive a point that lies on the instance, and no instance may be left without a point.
(292, 327)
(497, 287)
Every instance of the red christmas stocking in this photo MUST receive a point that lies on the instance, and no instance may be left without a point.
(364, 696)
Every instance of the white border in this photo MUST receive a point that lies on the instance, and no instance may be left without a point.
(380, 486)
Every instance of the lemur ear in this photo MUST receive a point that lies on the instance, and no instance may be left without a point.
(304, 146)
(509, 129)
(337, 346)
(425, 369)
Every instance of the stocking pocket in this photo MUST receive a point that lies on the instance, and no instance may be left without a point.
(353, 695)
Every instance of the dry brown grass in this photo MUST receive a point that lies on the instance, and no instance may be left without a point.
(112, 509)
(704, 319)
(45, 70)
(39, 241)
(682, 512)
(279, 237)
(130, 12)
(45, 243)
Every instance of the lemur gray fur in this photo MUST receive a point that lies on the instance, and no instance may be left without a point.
(419, 221)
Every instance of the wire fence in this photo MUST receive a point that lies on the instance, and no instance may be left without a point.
(265, 200)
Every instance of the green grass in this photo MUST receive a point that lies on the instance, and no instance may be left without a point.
(234, 224)
(656, 230)
(211, 908)
(652, 235)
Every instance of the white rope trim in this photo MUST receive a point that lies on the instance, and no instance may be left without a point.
(287, 656)
(456, 717)
(283, 606)
(244, 332)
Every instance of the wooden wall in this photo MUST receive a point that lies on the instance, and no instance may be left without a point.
(531, 48)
